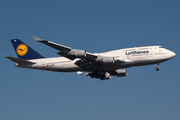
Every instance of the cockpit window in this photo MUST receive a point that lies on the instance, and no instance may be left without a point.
(161, 47)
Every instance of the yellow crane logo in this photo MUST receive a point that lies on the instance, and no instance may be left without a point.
(22, 49)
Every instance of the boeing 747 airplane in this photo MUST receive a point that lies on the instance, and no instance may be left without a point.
(97, 65)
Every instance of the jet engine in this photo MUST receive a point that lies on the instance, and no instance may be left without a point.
(107, 60)
(77, 53)
(104, 76)
(119, 73)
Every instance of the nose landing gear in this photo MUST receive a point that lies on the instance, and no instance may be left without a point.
(157, 67)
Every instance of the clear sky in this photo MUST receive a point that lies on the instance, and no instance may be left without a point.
(94, 26)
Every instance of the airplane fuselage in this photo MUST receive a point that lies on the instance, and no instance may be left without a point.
(137, 56)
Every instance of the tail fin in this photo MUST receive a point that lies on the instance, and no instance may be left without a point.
(23, 51)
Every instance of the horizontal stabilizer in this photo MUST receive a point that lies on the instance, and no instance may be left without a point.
(19, 61)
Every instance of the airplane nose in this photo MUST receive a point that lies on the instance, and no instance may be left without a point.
(173, 54)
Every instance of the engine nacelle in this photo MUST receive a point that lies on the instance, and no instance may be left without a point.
(104, 76)
(120, 73)
(107, 60)
(77, 53)
(107, 76)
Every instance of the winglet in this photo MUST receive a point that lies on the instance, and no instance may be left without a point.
(37, 39)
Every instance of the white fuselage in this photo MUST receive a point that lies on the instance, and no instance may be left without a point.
(136, 56)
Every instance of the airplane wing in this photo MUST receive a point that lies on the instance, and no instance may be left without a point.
(85, 57)
(52, 44)
(66, 51)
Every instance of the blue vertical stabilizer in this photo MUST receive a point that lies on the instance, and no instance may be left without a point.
(23, 51)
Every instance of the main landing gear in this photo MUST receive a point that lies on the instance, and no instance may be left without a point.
(157, 67)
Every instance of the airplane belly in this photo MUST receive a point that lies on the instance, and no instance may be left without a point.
(65, 67)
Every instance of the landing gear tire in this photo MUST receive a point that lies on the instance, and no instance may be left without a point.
(157, 69)
(102, 77)
(91, 75)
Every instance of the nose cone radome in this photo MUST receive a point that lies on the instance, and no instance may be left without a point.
(172, 54)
